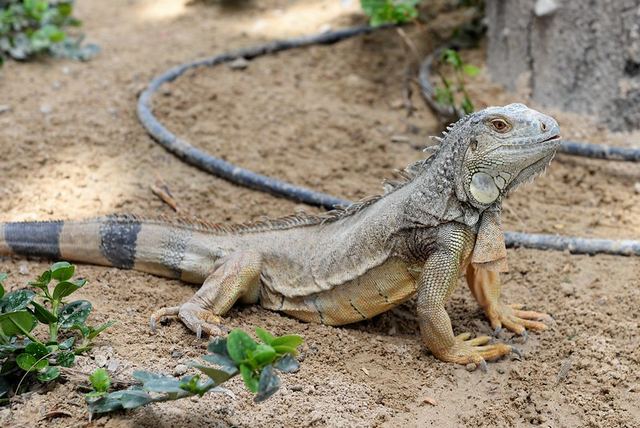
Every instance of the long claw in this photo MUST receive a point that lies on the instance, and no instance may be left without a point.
(483, 366)
(517, 351)
(497, 331)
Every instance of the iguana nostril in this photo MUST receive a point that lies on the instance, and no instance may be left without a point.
(543, 126)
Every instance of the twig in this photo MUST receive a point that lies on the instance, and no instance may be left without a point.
(161, 190)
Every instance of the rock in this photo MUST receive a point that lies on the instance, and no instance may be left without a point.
(113, 365)
(176, 354)
(23, 269)
(636, 186)
(545, 7)
(500, 370)
(5, 109)
(239, 64)
(46, 109)
(101, 360)
(296, 387)
(180, 369)
(471, 367)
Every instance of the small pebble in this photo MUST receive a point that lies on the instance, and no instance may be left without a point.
(180, 369)
(6, 109)
(636, 186)
(471, 367)
(545, 7)
(101, 360)
(296, 387)
(113, 365)
(177, 354)
(500, 370)
(46, 109)
(23, 269)
(239, 64)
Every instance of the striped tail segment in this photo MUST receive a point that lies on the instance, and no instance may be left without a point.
(109, 241)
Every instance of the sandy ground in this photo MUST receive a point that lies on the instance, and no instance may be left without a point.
(323, 117)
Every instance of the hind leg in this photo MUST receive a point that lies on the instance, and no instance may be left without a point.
(236, 278)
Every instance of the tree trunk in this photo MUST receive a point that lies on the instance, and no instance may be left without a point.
(580, 56)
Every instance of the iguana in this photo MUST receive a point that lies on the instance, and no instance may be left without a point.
(442, 218)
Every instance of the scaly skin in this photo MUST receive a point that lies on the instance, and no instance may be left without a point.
(440, 220)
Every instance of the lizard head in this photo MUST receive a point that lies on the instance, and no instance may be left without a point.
(503, 148)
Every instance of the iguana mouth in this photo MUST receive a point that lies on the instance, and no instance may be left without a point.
(552, 138)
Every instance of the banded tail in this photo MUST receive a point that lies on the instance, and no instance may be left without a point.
(124, 242)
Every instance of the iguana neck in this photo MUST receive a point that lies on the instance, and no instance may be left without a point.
(435, 196)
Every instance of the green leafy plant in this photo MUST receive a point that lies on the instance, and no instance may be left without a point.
(454, 89)
(25, 358)
(237, 354)
(390, 11)
(32, 27)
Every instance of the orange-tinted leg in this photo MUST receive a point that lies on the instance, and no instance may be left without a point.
(485, 286)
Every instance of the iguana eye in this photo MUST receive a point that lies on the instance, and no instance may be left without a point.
(500, 125)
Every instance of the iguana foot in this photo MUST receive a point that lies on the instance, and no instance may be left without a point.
(476, 350)
(515, 319)
(194, 317)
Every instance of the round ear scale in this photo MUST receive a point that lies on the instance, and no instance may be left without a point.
(483, 188)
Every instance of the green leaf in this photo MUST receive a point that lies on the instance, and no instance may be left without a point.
(132, 398)
(36, 349)
(100, 380)
(3, 275)
(158, 383)
(16, 300)
(453, 58)
(65, 288)
(269, 383)
(6, 350)
(42, 314)
(48, 374)
(287, 364)
(193, 385)
(74, 313)
(218, 346)
(291, 340)
(42, 281)
(62, 271)
(264, 335)
(225, 362)
(127, 399)
(283, 349)
(95, 331)
(218, 376)
(67, 343)
(250, 380)
(263, 354)
(239, 344)
(470, 70)
(16, 323)
(65, 358)
(26, 361)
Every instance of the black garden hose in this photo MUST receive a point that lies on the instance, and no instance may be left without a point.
(247, 178)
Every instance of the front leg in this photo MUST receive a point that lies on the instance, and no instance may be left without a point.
(439, 278)
(485, 287)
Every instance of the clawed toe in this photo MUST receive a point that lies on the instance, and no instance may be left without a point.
(161, 313)
(476, 350)
(194, 318)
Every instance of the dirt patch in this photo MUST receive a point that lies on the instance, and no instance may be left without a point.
(322, 117)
